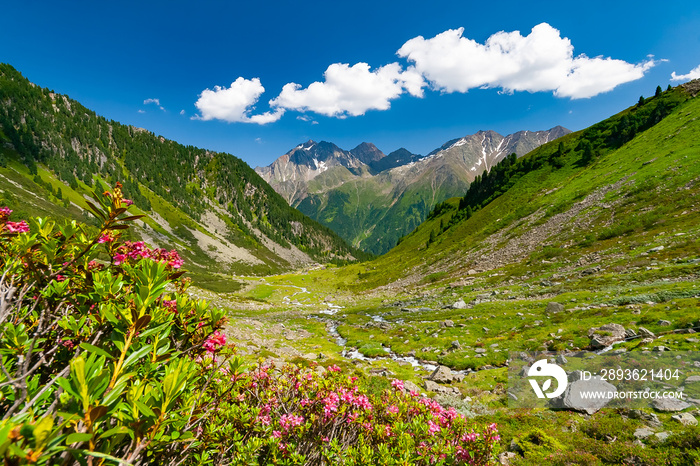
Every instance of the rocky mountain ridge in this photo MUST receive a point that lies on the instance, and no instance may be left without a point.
(372, 199)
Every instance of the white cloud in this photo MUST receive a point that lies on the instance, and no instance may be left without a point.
(154, 101)
(141, 111)
(351, 90)
(234, 104)
(540, 61)
(694, 74)
(182, 112)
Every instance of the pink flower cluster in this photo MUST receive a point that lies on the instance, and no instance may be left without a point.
(11, 227)
(214, 342)
(289, 421)
(137, 250)
(299, 410)
(17, 227)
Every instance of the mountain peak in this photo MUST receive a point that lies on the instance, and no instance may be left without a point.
(367, 153)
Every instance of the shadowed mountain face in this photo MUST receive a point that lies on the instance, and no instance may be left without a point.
(372, 199)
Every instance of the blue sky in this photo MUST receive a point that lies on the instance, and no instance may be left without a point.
(395, 73)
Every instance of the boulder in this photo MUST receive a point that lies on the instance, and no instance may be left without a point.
(572, 399)
(693, 379)
(553, 308)
(686, 419)
(409, 386)
(447, 323)
(670, 404)
(664, 323)
(646, 333)
(606, 335)
(442, 374)
(650, 418)
(459, 304)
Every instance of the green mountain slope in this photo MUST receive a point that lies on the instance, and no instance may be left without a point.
(210, 204)
(607, 193)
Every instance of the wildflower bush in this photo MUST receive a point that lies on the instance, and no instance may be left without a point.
(291, 415)
(106, 359)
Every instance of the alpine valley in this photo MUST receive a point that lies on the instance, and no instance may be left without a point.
(573, 246)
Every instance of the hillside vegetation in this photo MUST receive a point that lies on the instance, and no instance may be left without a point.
(211, 203)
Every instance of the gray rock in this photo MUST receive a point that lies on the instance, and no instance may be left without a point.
(572, 399)
(455, 345)
(693, 379)
(650, 418)
(553, 308)
(409, 386)
(505, 458)
(656, 249)
(485, 329)
(664, 323)
(670, 404)
(686, 419)
(447, 323)
(480, 350)
(646, 333)
(561, 359)
(662, 436)
(629, 333)
(434, 387)
(660, 348)
(459, 304)
(643, 432)
(606, 335)
(442, 374)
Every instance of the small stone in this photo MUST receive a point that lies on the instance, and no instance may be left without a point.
(693, 379)
(643, 432)
(660, 348)
(447, 323)
(646, 333)
(480, 350)
(455, 345)
(505, 458)
(664, 323)
(656, 249)
(662, 436)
